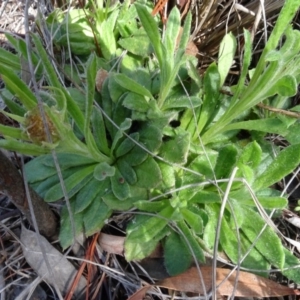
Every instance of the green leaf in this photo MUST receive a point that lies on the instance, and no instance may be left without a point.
(269, 243)
(146, 231)
(171, 33)
(226, 56)
(104, 170)
(136, 156)
(287, 86)
(168, 175)
(99, 131)
(23, 148)
(67, 160)
(72, 184)
(151, 28)
(36, 170)
(286, 161)
(106, 31)
(192, 241)
(177, 256)
(193, 220)
(210, 104)
(181, 102)
(127, 144)
(95, 216)
(12, 132)
(271, 125)
(18, 88)
(151, 137)
(290, 262)
(176, 149)
(251, 155)
(126, 124)
(10, 60)
(155, 206)
(90, 193)
(226, 161)
(148, 174)
(139, 44)
(119, 186)
(131, 85)
(136, 102)
(127, 171)
(66, 237)
(267, 202)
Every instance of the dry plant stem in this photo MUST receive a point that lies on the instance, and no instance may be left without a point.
(11, 184)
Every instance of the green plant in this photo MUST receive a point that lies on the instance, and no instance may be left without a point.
(159, 138)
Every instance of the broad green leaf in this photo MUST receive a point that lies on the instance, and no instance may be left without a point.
(91, 192)
(286, 161)
(46, 184)
(126, 124)
(136, 156)
(99, 131)
(127, 144)
(151, 137)
(151, 28)
(205, 197)
(136, 102)
(67, 160)
(168, 175)
(287, 86)
(192, 241)
(24, 148)
(104, 170)
(106, 31)
(119, 186)
(176, 149)
(95, 216)
(72, 184)
(148, 174)
(36, 170)
(177, 256)
(269, 243)
(193, 220)
(271, 125)
(18, 88)
(254, 259)
(127, 171)
(12, 132)
(131, 85)
(139, 44)
(226, 161)
(66, 237)
(138, 249)
(251, 155)
(210, 104)
(171, 34)
(115, 204)
(267, 202)
(226, 55)
(182, 102)
(10, 60)
(155, 206)
(290, 262)
(145, 231)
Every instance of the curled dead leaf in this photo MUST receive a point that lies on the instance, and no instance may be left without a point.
(100, 77)
(249, 285)
(112, 243)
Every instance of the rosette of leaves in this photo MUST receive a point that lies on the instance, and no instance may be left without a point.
(137, 144)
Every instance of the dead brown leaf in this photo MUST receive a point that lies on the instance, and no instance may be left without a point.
(112, 243)
(249, 285)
